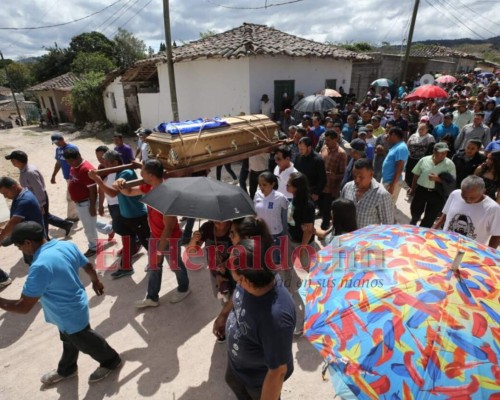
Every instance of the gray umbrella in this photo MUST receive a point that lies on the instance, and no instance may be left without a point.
(200, 197)
(313, 103)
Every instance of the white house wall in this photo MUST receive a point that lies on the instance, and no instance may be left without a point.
(205, 88)
(116, 115)
(309, 75)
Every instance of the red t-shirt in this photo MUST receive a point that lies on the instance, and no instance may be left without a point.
(79, 182)
(155, 219)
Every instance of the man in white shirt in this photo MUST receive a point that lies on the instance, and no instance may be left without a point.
(284, 168)
(266, 106)
(469, 212)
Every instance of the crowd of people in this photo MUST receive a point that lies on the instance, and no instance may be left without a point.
(345, 167)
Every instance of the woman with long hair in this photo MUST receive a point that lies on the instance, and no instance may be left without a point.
(301, 245)
(343, 217)
(490, 172)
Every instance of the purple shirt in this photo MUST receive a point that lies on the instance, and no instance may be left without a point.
(126, 153)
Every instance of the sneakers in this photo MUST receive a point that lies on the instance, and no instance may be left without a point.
(100, 373)
(53, 377)
(146, 303)
(177, 297)
(5, 283)
(120, 273)
(90, 253)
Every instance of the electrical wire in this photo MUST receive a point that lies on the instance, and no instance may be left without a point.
(475, 12)
(256, 8)
(120, 14)
(113, 14)
(472, 20)
(459, 17)
(445, 14)
(136, 13)
(61, 24)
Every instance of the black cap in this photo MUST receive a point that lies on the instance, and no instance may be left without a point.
(18, 155)
(56, 137)
(358, 145)
(29, 230)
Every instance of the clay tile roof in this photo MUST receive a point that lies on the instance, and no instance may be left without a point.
(431, 51)
(63, 82)
(9, 105)
(252, 39)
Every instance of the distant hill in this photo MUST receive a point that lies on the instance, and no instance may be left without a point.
(493, 42)
(488, 49)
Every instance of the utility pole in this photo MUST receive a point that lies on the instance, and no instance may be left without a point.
(13, 94)
(170, 61)
(408, 42)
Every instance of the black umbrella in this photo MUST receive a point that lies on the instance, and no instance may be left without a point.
(200, 197)
(313, 103)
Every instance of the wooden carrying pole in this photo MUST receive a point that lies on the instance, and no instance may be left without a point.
(188, 171)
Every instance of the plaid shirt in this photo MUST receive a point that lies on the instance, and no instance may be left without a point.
(374, 207)
(335, 166)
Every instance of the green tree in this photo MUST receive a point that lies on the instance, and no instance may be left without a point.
(92, 42)
(128, 48)
(91, 62)
(86, 99)
(56, 62)
(163, 47)
(19, 76)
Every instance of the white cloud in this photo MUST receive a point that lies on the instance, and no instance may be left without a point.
(361, 20)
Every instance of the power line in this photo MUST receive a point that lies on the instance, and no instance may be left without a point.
(445, 14)
(472, 20)
(120, 14)
(61, 24)
(255, 8)
(98, 27)
(475, 12)
(136, 13)
(459, 17)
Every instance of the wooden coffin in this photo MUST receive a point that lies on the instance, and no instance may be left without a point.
(244, 135)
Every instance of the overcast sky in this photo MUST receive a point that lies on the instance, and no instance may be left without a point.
(374, 21)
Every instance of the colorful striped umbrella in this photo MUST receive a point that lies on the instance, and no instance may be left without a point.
(401, 312)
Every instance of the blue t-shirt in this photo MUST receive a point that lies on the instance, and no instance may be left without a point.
(398, 152)
(26, 206)
(130, 206)
(493, 146)
(440, 130)
(54, 278)
(347, 132)
(259, 331)
(317, 132)
(65, 167)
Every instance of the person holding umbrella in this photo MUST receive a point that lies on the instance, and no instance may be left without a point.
(165, 229)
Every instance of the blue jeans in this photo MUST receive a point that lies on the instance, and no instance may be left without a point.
(89, 223)
(156, 272)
